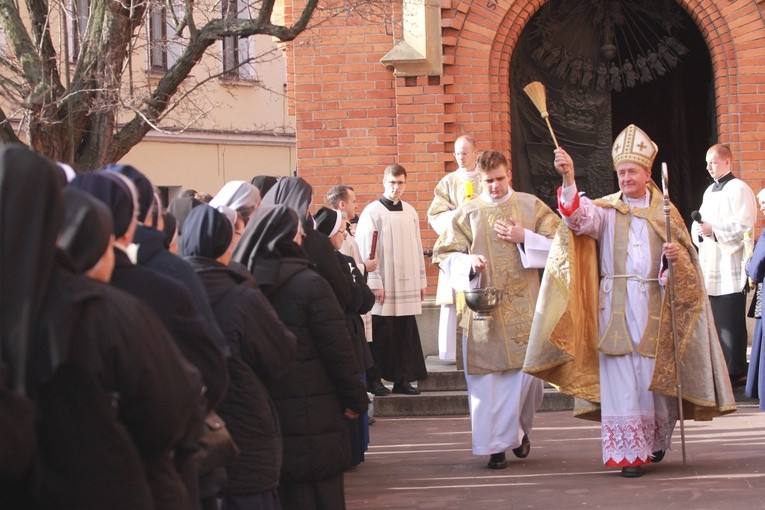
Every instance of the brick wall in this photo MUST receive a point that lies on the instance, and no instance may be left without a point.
(344, 100)
(354, 117)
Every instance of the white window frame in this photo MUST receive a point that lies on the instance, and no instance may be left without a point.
(157, 29)
(237, 50)
(165, 47)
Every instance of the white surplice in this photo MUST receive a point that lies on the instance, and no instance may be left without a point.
(401, 270)
(732, 213)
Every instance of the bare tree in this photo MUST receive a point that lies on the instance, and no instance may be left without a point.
(68, 74)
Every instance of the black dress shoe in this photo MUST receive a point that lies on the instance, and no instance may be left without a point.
(405, 388)
(738, 381)
(497, 461)
(523, 451)
(377, 389)
(632, 472)
(658, 456)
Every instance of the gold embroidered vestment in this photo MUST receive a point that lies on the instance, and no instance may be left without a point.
(499, 343)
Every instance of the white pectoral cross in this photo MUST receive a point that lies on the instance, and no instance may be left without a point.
(639, 245)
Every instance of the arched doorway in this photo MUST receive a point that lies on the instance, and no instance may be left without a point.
(607, 64)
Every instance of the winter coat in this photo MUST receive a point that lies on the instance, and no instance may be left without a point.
(319, 250)
(325, 380)
(155, 390)
(295, 193)
(153, 255)
(261, 348)
(112, 394)
(172, 303)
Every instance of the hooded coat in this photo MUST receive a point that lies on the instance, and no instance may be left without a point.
(113, 394)
(325, 379)
(153, 254)
(296, 193)
(166, 296)
(261, 347)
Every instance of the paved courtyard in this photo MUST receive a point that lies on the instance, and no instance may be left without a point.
(426, 462)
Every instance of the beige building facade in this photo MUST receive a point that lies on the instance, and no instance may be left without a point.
(229, 125)
(247, 131)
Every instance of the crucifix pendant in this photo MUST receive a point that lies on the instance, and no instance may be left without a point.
(639, 245)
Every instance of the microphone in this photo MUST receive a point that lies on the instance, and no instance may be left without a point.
(696, 215)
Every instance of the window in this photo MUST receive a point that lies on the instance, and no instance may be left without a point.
(165, 46)
(78, 17)
(158, 38)
(238, 53)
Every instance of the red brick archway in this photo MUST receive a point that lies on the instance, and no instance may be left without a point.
(476, 59)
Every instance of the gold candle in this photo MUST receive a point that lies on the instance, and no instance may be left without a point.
(468, 190)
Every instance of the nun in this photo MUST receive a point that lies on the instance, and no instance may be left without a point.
(240, 196)
(263, 183)
(262, 348)
(151, 247)
(87, 235)
(168, 299)
(322, 390)
(295, 192)
(331, 223)
(180, 208)
(96, 363)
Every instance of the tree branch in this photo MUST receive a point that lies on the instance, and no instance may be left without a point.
(101, 61)
(7, 134)
(78, 123)
(266, 11)
(40, 21)
(23, 47)
(11, 66)
(134, 130)
(13, 90)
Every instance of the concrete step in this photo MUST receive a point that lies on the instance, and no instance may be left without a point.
(455, 402)
(440, 403)
(444, 380)
(444, 392)
(444, 376)
(432, 403)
